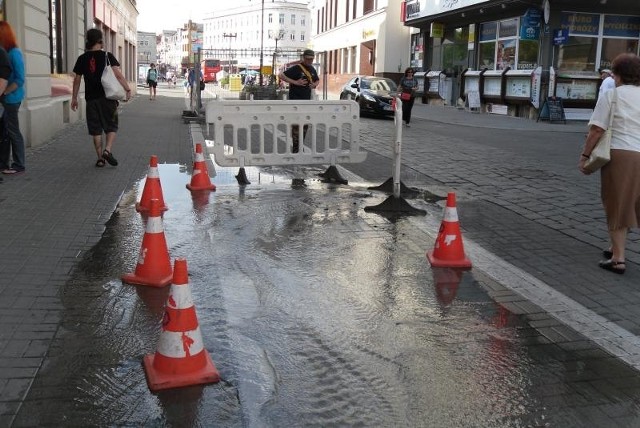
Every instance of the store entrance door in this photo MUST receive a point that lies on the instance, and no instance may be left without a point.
(455, 59)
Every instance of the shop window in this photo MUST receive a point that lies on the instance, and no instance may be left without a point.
(506, 54)
(368, 6)
(509, 28)
(614, 47)
(528, 54)
(487, 55)
(57, 36)
(454, 51)
(500, 47)
(352, 62)
(578, 54)
(344, 64)
(595, 40)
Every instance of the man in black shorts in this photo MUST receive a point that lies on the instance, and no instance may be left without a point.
(302, 79)
(102, 113)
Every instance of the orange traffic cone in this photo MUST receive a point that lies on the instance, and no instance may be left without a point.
(152, 189)
(449, 250)
(200, 178)
(180, 359)
(154, 264)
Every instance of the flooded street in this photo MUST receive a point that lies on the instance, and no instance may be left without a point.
(316, 313)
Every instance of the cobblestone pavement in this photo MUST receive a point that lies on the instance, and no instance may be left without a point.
(530, 218)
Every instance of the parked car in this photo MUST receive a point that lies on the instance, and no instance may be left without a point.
(373, 94)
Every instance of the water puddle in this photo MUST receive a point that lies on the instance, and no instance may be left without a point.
(313, 310)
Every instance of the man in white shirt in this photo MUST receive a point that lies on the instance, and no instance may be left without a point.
(607, 81)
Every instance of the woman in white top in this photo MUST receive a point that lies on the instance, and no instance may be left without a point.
(620, 178)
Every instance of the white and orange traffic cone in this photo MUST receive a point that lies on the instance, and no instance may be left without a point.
(200, 178)
(449, 249)
(180, 359)
(152, 189)
(154, 264)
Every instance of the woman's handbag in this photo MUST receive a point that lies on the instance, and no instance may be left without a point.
(601, 153)
(113, 90)
(405, 96)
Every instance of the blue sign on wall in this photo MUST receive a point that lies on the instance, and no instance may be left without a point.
(488, 31)
(587, 24)
(560, 37)
(530, 24)
(622, 26)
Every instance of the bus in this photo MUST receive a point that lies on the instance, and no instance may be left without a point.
(209, 68)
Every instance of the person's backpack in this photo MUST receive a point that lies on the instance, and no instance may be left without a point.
(153, 74)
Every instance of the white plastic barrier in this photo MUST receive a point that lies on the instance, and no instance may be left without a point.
(259, 133)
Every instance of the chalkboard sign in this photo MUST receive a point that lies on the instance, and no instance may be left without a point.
(552, 110)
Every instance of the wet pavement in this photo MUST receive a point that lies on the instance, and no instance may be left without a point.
(316, 312)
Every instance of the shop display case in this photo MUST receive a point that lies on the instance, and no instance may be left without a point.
(472, 81)
(493, 87)
(421, 77)
(435, 84)
(518, 86)
(577, 90)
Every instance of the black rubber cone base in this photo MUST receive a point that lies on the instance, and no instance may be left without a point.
(332, 175)
(241, 178)
(387, 187)
(395, 206)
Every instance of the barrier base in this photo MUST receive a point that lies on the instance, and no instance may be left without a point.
(332, 175)
(396, 206)
(241, 178)
(158, 381)
(202, 187)
(463, 263)
(387, 187)
(133, 279)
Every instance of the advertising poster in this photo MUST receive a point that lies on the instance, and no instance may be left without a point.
(536, 86)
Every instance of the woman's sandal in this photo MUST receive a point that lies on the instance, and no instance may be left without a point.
(607, 254)
(612, 265)
(100, 163)
(106, 155)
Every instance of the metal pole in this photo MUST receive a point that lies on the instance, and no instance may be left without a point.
(397, 148)
(198, 74)
(261, 42)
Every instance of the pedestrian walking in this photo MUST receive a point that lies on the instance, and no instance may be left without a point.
(607, 83)
(302, 79)
(101, 113)
(620, 177)
(12, 146)
(152, 81)
(408, 85)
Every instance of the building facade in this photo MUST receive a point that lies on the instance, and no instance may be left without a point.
(278, 29)
(517, 54)
(51, 35)
(365, 37)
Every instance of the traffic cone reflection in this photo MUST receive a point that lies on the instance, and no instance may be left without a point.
(200, 178)
(180, 359)
(152, 189)
(154, 264)
(449, 250)
(446, 281)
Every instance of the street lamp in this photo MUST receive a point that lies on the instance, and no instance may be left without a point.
(276, 35)
(230, 35)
